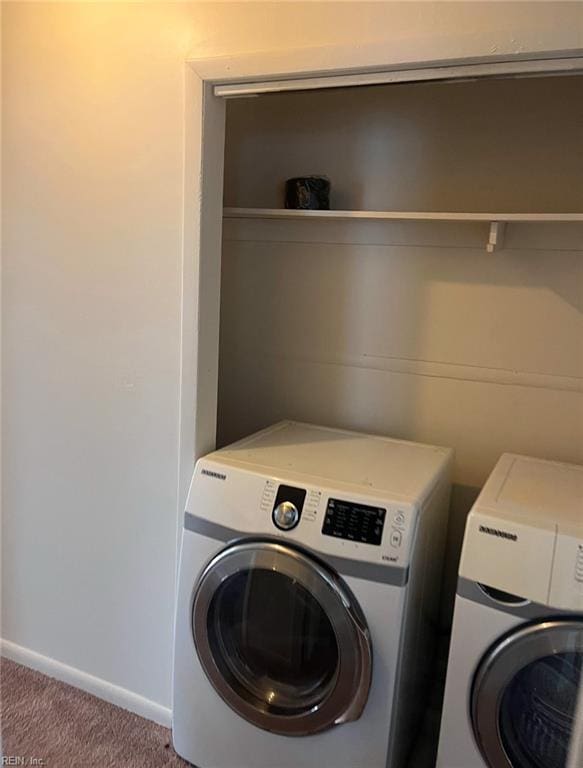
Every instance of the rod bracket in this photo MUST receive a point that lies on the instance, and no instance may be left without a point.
(496, 236)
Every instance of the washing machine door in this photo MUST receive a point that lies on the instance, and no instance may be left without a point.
(527, 696)
(281, 638)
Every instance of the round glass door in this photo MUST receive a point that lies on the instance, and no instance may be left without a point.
(272, 639)
(526, 695)
(281, 638)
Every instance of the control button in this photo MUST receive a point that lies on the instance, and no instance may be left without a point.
(396, 538)
(286, 516)
(400, 519)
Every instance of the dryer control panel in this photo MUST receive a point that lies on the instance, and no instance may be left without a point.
(340, 524)
(331, 521)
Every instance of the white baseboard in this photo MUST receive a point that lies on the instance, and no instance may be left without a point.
(114, 694)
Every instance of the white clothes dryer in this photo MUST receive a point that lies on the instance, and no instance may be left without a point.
(308, 592)
(513, 696)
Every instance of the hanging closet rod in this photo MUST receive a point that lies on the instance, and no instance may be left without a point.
(528, 68)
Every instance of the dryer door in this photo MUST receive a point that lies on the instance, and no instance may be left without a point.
(527, 694)
(281, 638)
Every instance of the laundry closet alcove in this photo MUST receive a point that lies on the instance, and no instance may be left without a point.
(440, 300)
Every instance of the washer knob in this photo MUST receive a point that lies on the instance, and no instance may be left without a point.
(286, 516)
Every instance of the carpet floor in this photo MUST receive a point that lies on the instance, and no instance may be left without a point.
(51, 724)
(54, 725)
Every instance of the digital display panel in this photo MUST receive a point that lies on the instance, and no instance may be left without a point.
(353, 521)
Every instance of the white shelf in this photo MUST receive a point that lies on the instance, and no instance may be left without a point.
(497, 221)
(285, 213)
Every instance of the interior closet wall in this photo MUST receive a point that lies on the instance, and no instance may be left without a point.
(404, 328)
(510, 145)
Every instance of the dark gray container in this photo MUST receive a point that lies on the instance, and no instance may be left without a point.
(308, 193)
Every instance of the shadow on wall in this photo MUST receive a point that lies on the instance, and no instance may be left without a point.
(462, 500)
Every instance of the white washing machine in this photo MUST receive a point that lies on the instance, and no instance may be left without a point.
(516, 656)
(308, 591)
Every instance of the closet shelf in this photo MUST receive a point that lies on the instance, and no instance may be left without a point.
(497, 221)
(286, 213)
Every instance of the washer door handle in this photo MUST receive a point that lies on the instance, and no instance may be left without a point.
(356, 707)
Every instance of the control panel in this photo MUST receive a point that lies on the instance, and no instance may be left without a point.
(354, 521)
(334, 524)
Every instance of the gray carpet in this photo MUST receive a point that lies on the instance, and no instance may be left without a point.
(65, 727)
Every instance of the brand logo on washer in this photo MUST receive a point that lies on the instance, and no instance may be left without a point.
(216, 475)
(499, 533)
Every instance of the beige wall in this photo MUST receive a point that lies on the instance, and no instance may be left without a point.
(93, 114)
